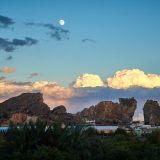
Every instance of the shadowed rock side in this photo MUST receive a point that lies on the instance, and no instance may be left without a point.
(107, 112)
(29, 103)
(151, 113)
(60, 114)
(128, 107)
(29, 107)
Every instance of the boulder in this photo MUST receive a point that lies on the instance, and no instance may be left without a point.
(128, 107)
(151, 113)
(60, 114)
(59, 110)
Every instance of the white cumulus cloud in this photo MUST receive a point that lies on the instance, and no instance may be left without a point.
(133, 78)
(88, 80)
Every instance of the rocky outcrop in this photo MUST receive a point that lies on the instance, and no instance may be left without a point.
(151, 113)
(27, 103)
(30, 106)
(59, 110)
(128, 107)
(60, 114)
(108, 112)
(87, 114)
(19, 118)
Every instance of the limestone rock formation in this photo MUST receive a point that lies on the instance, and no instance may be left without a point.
(20, 118)
(59, 110)
(151, 113)
(128, 107)
(60, 114)
(29, 107)
(87, 113)
(108, 112)
(27, 103)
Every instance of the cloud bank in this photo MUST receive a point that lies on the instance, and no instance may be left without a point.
(53, 93)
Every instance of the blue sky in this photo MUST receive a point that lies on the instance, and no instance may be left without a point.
(126, 35)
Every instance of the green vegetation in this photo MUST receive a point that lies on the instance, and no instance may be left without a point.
(42, 142)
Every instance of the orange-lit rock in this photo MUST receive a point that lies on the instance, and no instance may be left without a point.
(18, 118)
(108, 112)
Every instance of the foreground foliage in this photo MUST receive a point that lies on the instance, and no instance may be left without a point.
(40, 141)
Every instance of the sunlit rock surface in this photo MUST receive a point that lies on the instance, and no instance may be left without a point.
(108, 112)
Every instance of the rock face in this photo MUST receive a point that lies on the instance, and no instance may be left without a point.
(29, 107)
(108, 112)
(28, 103)
(151, 113)
(128, 107)
(59, 110)
(19, 118)
(60, 114)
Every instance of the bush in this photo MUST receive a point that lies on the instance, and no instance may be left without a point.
(52, 142)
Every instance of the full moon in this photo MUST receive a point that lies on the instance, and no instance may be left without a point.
(61, 22)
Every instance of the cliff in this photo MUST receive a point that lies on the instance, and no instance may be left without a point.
(29, 107)
(108, 112)
(151, 113)
(29, 103)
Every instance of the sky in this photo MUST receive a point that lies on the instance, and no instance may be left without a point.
(114, 43)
